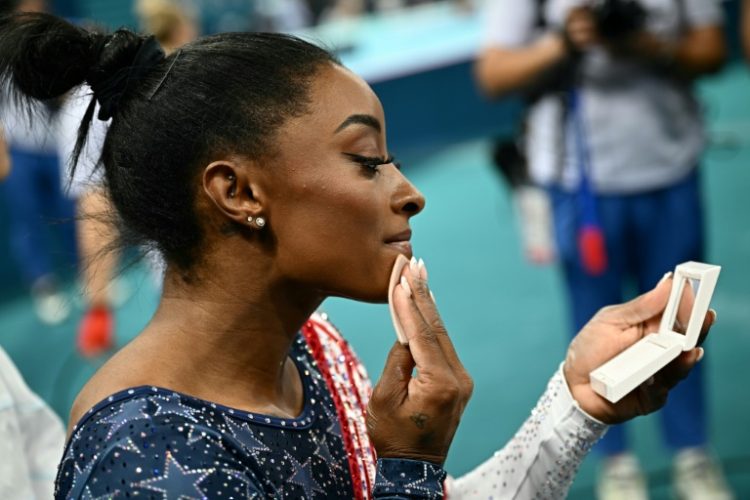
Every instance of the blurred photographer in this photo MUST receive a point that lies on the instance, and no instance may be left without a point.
(614, 134)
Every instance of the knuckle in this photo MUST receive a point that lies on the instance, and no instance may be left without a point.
(446, 395)
(468, 383)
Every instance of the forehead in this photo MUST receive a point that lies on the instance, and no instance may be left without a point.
(336, 94)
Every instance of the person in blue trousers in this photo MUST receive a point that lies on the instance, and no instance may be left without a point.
(620, 160)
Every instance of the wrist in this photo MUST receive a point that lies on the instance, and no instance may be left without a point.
(581, 396)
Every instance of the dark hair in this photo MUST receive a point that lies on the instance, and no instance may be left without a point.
(223, 94)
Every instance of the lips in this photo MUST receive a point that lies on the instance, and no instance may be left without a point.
(401, 242)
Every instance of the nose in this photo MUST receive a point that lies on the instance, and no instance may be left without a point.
(407, 199)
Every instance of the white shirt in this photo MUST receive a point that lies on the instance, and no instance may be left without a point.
(32, 438)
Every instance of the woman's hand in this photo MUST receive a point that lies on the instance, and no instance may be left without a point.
(611, 331)
(415, 416)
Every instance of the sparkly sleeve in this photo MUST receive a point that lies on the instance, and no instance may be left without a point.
(399, 478)
(542, 458)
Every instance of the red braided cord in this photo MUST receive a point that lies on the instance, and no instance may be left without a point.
(308, 330)
(350, 361)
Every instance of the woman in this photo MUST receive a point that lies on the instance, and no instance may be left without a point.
(257, 165)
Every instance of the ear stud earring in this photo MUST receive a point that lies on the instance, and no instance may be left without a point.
(249, 219)
(260, 222)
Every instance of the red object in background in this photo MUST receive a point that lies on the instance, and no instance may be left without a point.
(592, 250)
(96, 332)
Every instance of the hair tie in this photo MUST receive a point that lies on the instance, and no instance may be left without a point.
(110, 90)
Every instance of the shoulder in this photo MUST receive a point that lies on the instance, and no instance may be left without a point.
(146, 441)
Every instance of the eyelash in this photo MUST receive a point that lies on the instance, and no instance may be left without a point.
(373, 162)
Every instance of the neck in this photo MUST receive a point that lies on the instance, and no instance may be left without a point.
(235, 334)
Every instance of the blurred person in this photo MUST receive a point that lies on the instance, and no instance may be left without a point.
(169, 21)
(32, 436)
(616, 136)
(173, 26)
(745, 28)
(34, 198)
(243, 157)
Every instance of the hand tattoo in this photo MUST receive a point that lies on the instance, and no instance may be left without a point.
(419, 419)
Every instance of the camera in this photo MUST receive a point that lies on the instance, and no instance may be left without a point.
(618, 19)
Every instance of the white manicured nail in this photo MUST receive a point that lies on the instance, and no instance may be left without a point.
(422, 270)
(432, 296)
(701, 352)
(405, 286)
(413, 267)
(666, 276)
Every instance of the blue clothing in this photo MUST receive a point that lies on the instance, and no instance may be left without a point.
(646, 236)
(156, 443)
(35, 203)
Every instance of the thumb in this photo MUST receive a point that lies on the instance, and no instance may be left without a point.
(397, 371)
(648, 305)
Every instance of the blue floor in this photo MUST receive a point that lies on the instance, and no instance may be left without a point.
(507, 318)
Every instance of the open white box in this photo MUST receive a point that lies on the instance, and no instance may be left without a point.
(632, 367)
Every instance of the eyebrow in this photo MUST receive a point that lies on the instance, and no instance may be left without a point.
(367, 120)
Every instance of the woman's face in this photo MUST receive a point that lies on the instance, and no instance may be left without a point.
(339, 223)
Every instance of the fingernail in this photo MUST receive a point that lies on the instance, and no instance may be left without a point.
(413, 267)
(665, 277)
(715, 314)
(422, 270)
(405, 286)
(701, 352)
(432, 296)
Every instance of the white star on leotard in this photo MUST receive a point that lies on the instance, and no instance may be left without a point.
(130, 411)
(303, 476)
(177, 482)
(172, 405)
(324, 452)
(246, 437)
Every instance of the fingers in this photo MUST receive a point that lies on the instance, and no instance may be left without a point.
(396, 373)
(708, 322)
(643, 307)
(423, 344)
(416, 275)
(677, 370)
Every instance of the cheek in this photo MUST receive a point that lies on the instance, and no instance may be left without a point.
(333, 240)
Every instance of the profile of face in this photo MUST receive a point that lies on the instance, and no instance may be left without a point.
(338, 219)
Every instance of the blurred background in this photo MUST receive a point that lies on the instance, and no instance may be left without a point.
(508, 315)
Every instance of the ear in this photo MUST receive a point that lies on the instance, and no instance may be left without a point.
(231, 187)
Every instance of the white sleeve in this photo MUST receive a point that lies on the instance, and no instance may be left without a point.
(542, 458)
(508, 23)
(703, 12)
(32, 438)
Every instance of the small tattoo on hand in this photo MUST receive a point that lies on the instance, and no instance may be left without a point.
(419, 419)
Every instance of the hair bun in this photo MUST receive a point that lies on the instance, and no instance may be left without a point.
(43, 56)
(123, 57)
